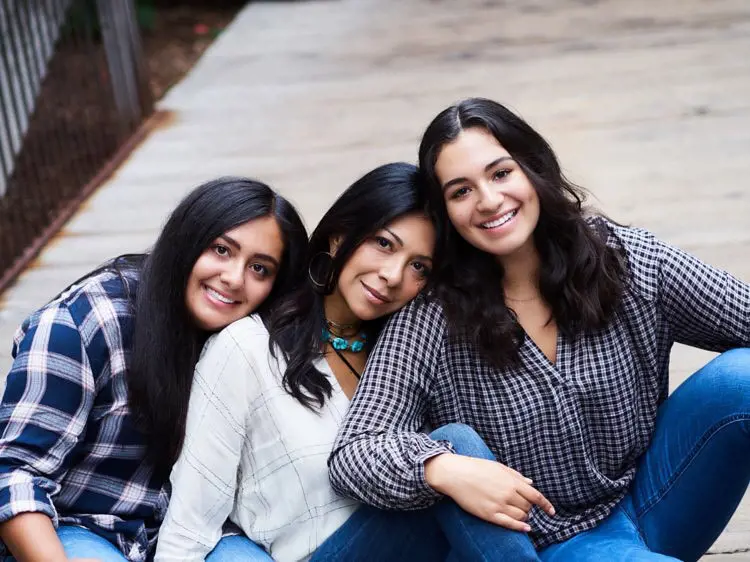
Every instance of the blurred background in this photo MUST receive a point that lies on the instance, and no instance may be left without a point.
(77, 80)
(111, 110)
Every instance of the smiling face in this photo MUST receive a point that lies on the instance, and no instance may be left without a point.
(235, 274)
(489, 199)
(385, 272)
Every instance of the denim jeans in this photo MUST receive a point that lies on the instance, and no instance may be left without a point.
(442, 532)
(472, 538)
(79, 542)
(238, 547)
(690, 480)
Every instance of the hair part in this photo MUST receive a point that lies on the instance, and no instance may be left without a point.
(372, 202)
(581, 278)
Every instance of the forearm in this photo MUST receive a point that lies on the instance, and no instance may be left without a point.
(437, 472)
(379, 454)
(31, 537)
(386, 471)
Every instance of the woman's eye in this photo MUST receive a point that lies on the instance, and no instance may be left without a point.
(383, 242)
(260, 269)
(221, 250)
(500, 174)
(460, 192)
(421, 268)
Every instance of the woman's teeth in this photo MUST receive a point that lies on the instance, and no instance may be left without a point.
(219, 297)
(502, 220)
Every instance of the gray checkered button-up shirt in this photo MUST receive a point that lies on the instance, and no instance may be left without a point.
(576, 427)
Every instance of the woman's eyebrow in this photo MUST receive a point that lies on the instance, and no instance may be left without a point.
(396, 236)
(231, 241)
(487, 168)
(266, 257)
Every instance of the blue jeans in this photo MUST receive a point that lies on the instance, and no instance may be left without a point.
(690, 480)
(472, 538)
(687, 484)
(442, 532)
(238, 547)
(79, 542)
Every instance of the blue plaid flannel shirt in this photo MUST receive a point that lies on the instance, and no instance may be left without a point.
(68, 445)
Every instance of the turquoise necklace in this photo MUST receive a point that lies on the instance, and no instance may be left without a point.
(341, 344)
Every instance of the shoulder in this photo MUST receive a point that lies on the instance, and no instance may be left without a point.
(227, 378)
(424, 316)
(246, 334)
(243, 343)
(631, 240)
(100, 302)
(641, 250)
(107, 294)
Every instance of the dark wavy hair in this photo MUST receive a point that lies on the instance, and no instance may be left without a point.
(581, 278)
(372, 202)
(166, 342)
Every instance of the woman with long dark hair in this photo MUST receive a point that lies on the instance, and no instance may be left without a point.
(550, 335)
(268, 396)
(94, 410)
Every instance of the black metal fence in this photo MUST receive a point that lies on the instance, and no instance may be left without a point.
(72, 89)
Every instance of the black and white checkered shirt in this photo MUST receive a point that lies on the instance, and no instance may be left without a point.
(576, 428)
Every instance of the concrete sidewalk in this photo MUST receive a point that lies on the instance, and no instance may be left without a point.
(647, 104)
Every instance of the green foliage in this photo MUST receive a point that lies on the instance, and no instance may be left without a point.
(145, 12)
(83, 19)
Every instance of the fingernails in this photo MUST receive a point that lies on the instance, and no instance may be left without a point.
(526, 529)
(551, 510)
(529, 480)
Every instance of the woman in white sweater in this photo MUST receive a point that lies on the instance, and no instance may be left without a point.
(267, 401)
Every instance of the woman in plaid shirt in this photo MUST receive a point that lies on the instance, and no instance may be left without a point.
(94, 410)
(549, 334)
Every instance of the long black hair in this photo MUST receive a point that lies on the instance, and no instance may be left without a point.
(581, 278)
(372, 202)
(166, 343)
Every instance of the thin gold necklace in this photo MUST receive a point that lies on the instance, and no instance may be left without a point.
(342, 329)
(536, 298)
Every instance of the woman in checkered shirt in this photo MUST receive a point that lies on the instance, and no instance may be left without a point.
(549, 333)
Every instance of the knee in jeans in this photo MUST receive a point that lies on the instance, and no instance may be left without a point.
(458, 431)
(732, 369)
(737, 360)
(464, 439)
(723, 385)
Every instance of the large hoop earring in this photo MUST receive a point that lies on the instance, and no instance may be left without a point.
(325, 267)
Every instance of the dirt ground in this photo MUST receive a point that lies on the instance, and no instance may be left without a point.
(75, 128)
(179, 37)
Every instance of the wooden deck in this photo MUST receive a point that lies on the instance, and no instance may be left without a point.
(646, 102)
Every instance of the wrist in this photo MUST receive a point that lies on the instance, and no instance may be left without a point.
(437, 472)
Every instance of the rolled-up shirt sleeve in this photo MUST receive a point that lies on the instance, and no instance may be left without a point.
(47, 399)
(379, 454)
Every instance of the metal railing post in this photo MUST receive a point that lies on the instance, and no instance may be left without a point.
(73, 88)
